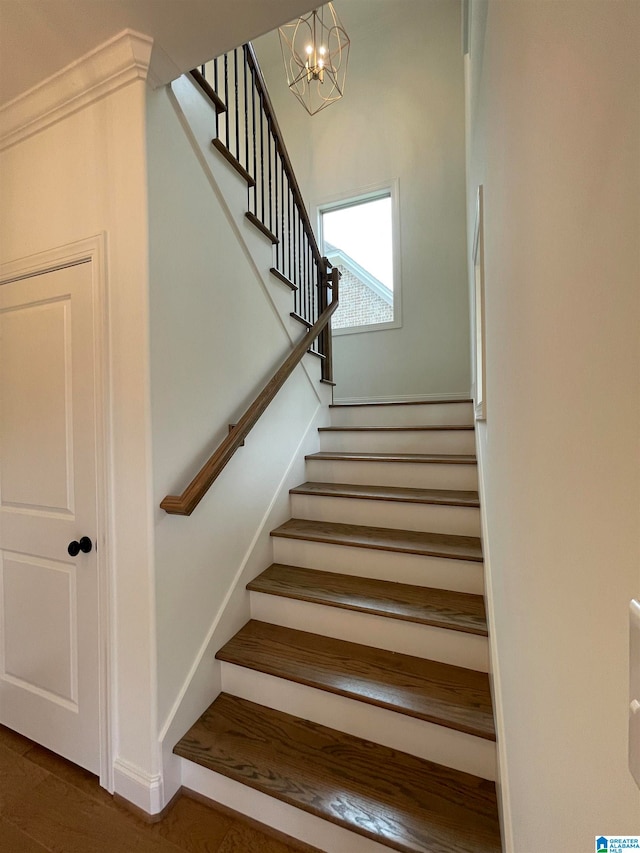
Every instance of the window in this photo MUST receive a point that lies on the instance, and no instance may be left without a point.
(357, 236)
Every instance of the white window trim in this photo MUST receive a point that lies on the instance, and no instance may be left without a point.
(345, 199)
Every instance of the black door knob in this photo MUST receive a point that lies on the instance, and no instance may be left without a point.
(85, 545)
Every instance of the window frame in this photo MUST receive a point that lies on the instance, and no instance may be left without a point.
(351, 199)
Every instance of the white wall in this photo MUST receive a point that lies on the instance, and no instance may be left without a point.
(216, 338)
(556, 144)
(81, 176)
(402, 117)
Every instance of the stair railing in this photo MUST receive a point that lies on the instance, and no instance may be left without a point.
(249, 137)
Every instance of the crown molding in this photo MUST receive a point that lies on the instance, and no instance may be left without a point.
(105, 69)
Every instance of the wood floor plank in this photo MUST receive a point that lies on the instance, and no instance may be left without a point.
(420, 458)
(12, 740)
(50, 796)
(17, 777)
(457, 611)
(66, 820)
(194, 827)
(241, 839)
(13, 840)
(444, 497)
(407, 803)
(68, 772)
(383, 539)
(439, 693)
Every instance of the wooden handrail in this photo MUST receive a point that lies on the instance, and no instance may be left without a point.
(185, 503)
(252, 60)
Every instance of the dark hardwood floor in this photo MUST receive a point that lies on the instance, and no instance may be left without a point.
(49, 804)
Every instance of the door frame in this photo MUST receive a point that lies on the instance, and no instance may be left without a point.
(92, 250)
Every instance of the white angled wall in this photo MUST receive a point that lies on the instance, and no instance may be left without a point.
(555, 140)
(402, 117)
(216, 338)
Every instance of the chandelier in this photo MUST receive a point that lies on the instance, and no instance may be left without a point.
(315, 51)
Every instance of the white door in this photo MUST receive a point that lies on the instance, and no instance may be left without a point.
(49, 668)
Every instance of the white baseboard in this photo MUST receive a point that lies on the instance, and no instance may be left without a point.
(135, 785)
(405, 398)
(502, 786)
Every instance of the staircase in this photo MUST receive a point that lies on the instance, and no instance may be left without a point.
(356, 713)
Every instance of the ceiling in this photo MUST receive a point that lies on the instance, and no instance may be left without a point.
(40, 37)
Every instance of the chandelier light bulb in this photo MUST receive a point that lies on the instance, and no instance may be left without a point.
(315, 50)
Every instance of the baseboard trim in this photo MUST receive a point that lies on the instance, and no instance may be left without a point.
(502, 772)
(145, 816)
(451, 396)
(140, 789)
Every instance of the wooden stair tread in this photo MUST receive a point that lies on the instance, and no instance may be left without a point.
(403, 802)
(457, 611)
(439, 693)
(448, 497)
(383, 539)
(443, 458)
(425, 428)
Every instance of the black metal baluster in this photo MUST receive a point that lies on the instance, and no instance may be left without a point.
(305, 268)
(299, 281)
(253, 131)
(215, 88)
(270, 183)
(275, 199)
(237, 104)
(290, 244)
(293, 246)
(311, 287)
(226, 97)
(312, 318)
(282, 267)
(246, 119)
(262, 159)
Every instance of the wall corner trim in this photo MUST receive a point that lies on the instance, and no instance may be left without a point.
(110, 66)
(132, 783)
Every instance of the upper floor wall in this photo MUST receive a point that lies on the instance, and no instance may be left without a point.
(402, 117)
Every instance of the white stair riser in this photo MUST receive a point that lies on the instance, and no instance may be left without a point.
(395, 635)
(305, 827)
(409, 415)
(403, 441)
(439, 572)
(414, 475)
(445, 746)
(436, 518)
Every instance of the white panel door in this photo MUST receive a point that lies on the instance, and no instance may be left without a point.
(49, 672)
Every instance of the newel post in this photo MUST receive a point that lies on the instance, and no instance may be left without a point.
(329, 281)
